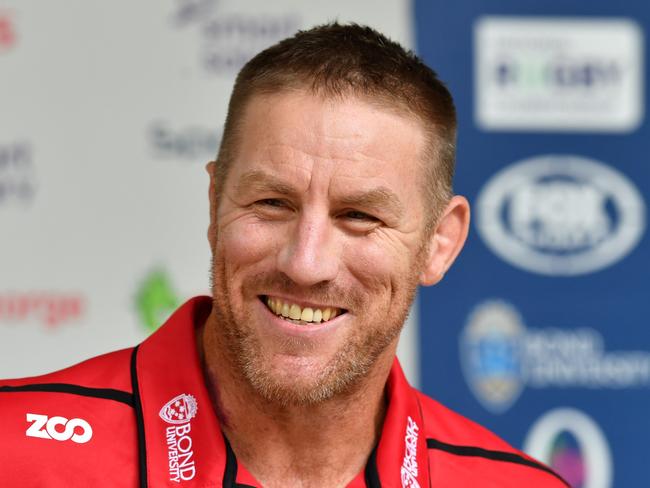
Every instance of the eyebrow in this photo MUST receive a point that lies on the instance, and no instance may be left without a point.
(380, 198)
(257, 180)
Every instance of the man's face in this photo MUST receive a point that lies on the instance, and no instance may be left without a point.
(318, 243)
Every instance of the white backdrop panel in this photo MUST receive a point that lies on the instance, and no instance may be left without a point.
(109, 112)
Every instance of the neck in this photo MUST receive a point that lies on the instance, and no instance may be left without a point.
(320, 445)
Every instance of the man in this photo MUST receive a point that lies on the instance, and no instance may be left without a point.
(330, 202)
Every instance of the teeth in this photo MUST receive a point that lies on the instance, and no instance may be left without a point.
(318, 316)
(294, 312)
(326, 314)
(307, 314)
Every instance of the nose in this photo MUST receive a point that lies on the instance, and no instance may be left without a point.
(309, 255)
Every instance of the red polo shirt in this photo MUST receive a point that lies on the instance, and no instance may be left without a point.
(142, 417)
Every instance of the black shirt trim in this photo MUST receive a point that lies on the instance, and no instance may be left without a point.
(508, 457)
(103, 393)
(139, 420)
(230, 472)
(372, 473)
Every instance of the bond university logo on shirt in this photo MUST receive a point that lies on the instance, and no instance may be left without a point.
(573, 444)
(560, 215)
(58, 428)
(178, 412)
(558, 74)
(409, 471)
(500, 356)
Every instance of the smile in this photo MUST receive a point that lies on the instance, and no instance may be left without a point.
(296, 314)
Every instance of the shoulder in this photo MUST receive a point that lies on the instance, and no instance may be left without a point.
(77, 420)
(109, 370)
(460, 449)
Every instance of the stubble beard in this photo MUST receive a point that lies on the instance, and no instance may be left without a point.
(342, 375)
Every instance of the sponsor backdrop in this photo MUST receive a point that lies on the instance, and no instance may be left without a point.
(541, 329)
(109, 113)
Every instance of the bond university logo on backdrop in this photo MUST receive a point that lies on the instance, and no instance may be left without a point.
(178, 413)
(572, 443)
(560, 215)
(501, 357)
(559, 74)
(491, 354)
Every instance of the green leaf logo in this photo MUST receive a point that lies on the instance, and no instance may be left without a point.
(155, 299)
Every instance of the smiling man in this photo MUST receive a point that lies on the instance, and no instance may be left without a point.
(330, 203)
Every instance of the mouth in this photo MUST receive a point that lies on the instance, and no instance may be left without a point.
(298, 314)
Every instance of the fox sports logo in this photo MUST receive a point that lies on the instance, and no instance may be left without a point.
(560, 215)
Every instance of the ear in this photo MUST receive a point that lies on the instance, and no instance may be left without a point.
(446, 240)
(212, 228)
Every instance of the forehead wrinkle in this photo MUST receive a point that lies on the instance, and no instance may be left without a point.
(258, 180)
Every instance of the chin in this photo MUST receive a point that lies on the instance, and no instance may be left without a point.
(304, 380)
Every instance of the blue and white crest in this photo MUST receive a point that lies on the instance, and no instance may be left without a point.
(491, 351)
(560, 215)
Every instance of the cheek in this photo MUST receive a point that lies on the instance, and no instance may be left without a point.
(246, 242)
(377, 265)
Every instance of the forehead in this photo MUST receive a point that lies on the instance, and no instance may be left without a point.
(344, 141)
(316, 122)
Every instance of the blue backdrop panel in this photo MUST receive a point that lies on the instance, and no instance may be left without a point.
(540, 330)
